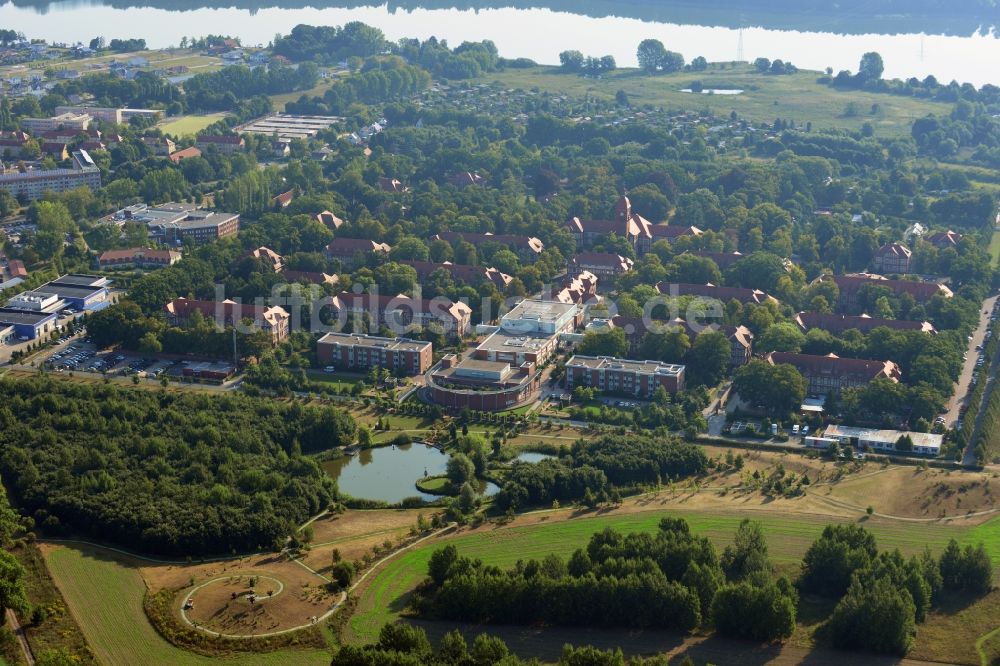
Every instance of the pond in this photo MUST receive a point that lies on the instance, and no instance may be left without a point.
(389, 473)
(716, 91)
(531, 457)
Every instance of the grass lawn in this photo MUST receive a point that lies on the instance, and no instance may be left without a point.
(190, 124)
(106, 597)
(995, 247)
(796, 96)
(788, 537)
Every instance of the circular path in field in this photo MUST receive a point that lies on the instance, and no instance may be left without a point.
(230, 606)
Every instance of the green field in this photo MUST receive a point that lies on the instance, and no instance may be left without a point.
(788, 537)
(792, 97)
(995, 247)
(106, 599)
(190, 124)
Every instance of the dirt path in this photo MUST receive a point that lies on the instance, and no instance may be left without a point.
(18, 630)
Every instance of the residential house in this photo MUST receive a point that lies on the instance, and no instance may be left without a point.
(329, 220)
(269, 257)
(580, 289)
(283, 200)
(942, 240)
(893, 258)
(392, 186)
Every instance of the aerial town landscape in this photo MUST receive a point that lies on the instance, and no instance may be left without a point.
(361, 348)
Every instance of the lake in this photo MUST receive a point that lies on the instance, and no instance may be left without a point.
(389, 473)
(541, 33)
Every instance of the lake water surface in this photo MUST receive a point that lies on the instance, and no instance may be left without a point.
(389, 473)
(540, 34)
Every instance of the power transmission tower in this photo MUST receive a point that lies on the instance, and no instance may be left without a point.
(739, 46)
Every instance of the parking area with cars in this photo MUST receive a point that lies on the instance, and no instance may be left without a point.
(83, 356)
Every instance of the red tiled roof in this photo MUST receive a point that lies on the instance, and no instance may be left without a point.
(341, 247)
(185, 153)
(833, 365)
(522, 242)
(836, 324)
(724, 294)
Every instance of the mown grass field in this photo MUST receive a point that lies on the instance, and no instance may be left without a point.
(795, 96)
(995, 247)
(788, 538)
(106, 596)
(190, 124)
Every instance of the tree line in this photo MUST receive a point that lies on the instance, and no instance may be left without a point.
(592, 469)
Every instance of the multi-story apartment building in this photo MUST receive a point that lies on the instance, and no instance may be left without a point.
(831, 373)
(361, 352)
(614, 375)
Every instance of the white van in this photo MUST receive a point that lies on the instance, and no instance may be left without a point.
(795, 429)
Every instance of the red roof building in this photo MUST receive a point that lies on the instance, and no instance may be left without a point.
(401, 314)
(830, 373)
(626, 224)
(837, 323)
(851, 286)
(528, 248)
(348, 250)
(473, 275)
(329, 220)
(723, 294)
(893, 258)
(944, 239)
(606, 266)
(138, 257)
(179, 156)
(272, 319)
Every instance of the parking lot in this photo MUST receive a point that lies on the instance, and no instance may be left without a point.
(82, 356)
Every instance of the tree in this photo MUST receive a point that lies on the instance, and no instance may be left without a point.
(708, 359)
(871, 67)
(12, 593)
(651, 54)
(343, 573)
(779, 388)
(571, 61)
(747, 555)
(877, 617)
(832, 559)
(609, 343)
(762, 65)
(761, 613)
(440, 563)
(785, 337)
(460, 469)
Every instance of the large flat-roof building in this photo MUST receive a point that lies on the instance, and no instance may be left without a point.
(33, 183)
(924, 443)
(503, 371)
(615, 375)
(361, 352)
(28, 324)
(289, 126)
(177, 222)
(71, 121)
(78, 291)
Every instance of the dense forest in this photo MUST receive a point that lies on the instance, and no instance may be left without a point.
(177, 474)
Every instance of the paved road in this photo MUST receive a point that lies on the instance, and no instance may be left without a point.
(962, 388)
